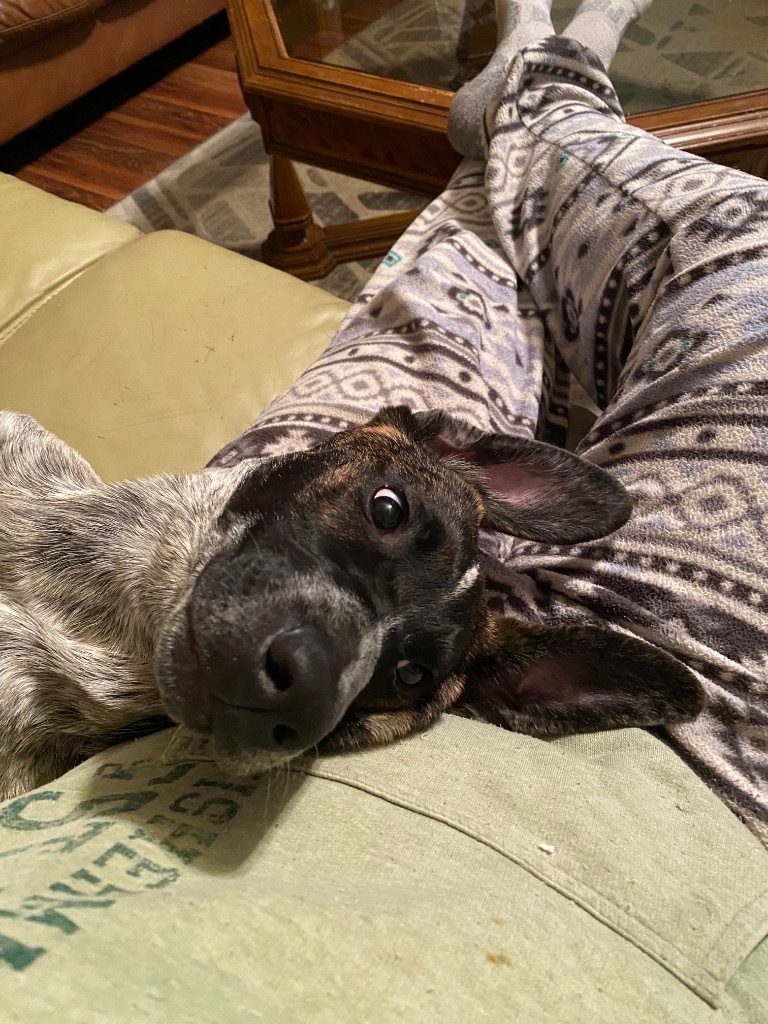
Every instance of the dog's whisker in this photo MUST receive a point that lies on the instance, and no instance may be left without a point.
(287, 774)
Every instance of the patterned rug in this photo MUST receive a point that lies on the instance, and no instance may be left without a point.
(679, 52)
(220, 192)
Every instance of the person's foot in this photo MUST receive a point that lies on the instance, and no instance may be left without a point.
(597, 24)
(519, 23)
(600, 24)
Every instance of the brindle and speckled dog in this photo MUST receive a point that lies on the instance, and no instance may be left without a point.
(327, 597)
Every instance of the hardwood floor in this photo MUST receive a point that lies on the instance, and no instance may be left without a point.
(107, 144)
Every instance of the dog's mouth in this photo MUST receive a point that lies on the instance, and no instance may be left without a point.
(201, 717)
(188, 744)
(179, 660)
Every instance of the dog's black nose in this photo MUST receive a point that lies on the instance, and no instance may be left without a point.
(294, 655)
(285, 705)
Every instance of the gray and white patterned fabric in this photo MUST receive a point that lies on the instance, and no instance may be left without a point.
(586, 243)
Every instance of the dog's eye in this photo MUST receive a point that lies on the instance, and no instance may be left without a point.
(408, 674)
(388, 509)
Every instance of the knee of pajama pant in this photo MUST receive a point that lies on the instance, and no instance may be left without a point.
(597, 217)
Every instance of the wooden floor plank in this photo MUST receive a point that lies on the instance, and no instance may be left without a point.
(109, 143)
(93, 199)
(213, 80)
(194, 125)
(151, 137)
(220, 55)
(125, 157)
(85, 172)
(187, 88)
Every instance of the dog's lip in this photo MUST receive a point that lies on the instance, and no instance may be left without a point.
(182, 664)
(217, 699)
(227, 742)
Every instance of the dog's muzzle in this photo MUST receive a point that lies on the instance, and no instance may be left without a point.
(266, 666)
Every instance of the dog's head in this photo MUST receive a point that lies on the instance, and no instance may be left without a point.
(350, 610)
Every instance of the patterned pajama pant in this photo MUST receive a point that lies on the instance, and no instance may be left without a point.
(583, 246)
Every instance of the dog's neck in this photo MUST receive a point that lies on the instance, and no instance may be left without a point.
(91, 585)
(80, 559)
(102, 566)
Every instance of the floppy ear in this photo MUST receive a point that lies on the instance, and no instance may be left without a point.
(532, 490)
(554, 682)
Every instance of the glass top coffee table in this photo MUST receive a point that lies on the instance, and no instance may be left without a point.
(363, 87)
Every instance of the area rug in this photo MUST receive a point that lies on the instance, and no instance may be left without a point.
(220, 192)
(679, 52)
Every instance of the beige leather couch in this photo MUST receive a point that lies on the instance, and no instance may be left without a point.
(54, 51)
(468, 874)
(146, 353)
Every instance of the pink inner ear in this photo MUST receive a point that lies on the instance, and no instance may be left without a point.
(549, 679)
(521, 485)
(443, 447)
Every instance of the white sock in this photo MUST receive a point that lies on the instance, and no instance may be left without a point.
(519, 23)
(600, 24)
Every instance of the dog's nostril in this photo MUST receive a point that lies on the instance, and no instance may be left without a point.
(283, 733)
(293, 657)
(279, 664)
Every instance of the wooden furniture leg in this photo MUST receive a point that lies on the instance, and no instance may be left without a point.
(305, 249)
(296, 244)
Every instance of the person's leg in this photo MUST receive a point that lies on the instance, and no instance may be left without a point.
(650, 269)
(433, 312)
(518, 23)
(599, 24)
(422, 333)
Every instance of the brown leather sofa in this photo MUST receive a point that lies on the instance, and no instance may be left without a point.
(54, 51)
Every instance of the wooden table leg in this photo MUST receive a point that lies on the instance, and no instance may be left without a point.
(305, 249)
(296, 243)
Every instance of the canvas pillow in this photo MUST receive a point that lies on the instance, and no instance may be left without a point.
(461, 870)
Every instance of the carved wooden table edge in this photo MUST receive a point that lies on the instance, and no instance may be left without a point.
(345, 120)
(731, 131)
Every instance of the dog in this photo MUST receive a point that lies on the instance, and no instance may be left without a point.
(331, 598)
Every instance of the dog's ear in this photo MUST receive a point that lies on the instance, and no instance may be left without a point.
(532, 490)
(557, 681)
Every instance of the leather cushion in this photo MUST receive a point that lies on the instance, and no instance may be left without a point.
(22, 21)
(45, 243)
(162, 351)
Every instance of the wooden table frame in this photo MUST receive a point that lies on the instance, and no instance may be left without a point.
(394, 133)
